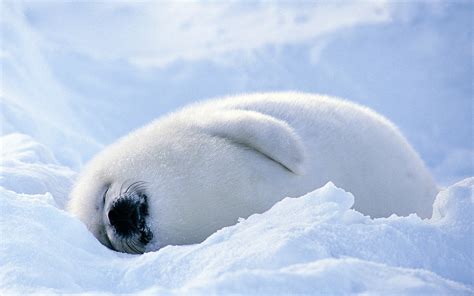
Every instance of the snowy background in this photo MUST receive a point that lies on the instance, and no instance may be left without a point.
(77, 75)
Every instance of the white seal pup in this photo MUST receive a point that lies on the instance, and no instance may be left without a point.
(188, 174)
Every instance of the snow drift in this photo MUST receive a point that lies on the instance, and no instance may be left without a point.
(312, 244)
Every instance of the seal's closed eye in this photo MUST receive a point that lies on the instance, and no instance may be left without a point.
(105, 195)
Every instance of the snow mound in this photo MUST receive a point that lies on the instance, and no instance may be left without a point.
(28, 167)
(312, 244)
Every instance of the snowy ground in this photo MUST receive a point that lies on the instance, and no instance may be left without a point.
(311, 244)
(75, 76)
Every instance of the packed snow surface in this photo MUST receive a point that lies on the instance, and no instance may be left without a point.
(312, 244)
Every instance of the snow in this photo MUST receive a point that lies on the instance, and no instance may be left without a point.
(314, 243)
(29, 167)
(75, 77)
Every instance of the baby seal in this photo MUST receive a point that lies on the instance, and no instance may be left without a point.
(190, 173)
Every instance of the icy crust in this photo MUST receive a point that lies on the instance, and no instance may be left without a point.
(312, 244)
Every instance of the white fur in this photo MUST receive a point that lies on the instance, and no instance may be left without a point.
(211, 163)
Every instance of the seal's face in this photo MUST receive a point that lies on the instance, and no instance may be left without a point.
(125, 212)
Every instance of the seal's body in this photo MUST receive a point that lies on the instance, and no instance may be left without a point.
(186, 175)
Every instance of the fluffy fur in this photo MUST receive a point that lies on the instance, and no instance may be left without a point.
(211, 163)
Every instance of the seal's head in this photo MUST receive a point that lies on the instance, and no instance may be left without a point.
(118, 214)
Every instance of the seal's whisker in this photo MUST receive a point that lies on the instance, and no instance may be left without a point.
(121, 188)
(131, 244)
(135, 186)
(130, 186)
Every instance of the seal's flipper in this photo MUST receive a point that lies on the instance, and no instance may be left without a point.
(265, 134)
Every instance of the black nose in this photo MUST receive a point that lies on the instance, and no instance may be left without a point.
(125, 216)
